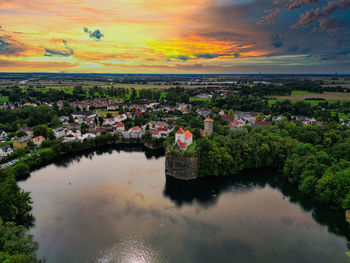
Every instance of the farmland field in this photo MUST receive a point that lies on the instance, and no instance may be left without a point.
(199, 99)
(329, 96)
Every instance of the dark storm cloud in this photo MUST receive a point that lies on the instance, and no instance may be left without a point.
(321, 13)
(10, 47)
(293, 4)
(53, 52)
(97, 34)
(276, 40)
(183, 58)
(331, 25)
(207, 55)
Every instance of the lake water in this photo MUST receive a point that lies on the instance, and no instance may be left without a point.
(116, 205)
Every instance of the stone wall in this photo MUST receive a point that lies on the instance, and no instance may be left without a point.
(181, 167)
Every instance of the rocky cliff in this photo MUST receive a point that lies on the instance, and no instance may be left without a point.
(180, 166)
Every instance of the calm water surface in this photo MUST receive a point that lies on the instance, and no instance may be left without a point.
(116, 205)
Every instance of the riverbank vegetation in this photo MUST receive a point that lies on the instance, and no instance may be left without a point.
(316, 158)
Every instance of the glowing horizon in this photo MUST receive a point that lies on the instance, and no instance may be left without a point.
(154, 36)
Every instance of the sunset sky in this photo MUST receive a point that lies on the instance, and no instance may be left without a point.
(175, 36)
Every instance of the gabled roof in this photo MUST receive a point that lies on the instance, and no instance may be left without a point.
(227, 117)
(119, 124)
(208, 120)
(181, 144)
(188, 134)
(6, 148)
(135, 129)
(180, 131)
(39, 138)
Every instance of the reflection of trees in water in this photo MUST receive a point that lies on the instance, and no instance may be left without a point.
(206, 191)
(68, 159)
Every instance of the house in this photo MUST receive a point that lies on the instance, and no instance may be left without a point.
(3, 135)
(109, 121)
(136, 132)
(73, 125)
(38, 140)
(227, 117)
(64, 120)
(59, 132)
(89, 121)
(183, 139)
(6, 150)
(157, 124)
(21, 142)
(99, 130)
(28, 131)
(236, 125)
(69, 138)
(75, 132)
(119, 126)
(80, 116)
(155, 133)
(86, 136)
(164, 132)
(120, 117)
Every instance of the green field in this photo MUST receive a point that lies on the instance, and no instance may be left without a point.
(342, 115)
(302, 92)
(4, 99)
(312, 102)
(199, 99)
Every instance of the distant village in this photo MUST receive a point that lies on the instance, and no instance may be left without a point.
(96, 124)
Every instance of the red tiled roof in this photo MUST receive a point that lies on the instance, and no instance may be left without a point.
(180, 131)
(163, 129)
(155, 132)
(235, 123)
(208, 120)
(119, 124)
(39, 138)
(188, 134)
(181, 144)
(227, 117)
(136, 128)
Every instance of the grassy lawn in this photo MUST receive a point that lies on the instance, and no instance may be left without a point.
(192, 147)
(44, 150)
(4, 99)
(104, 113)
(199, 99)
(302, 92)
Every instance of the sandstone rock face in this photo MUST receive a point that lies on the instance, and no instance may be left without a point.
(181, 167)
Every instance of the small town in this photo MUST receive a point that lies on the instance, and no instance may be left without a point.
(115, 116)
